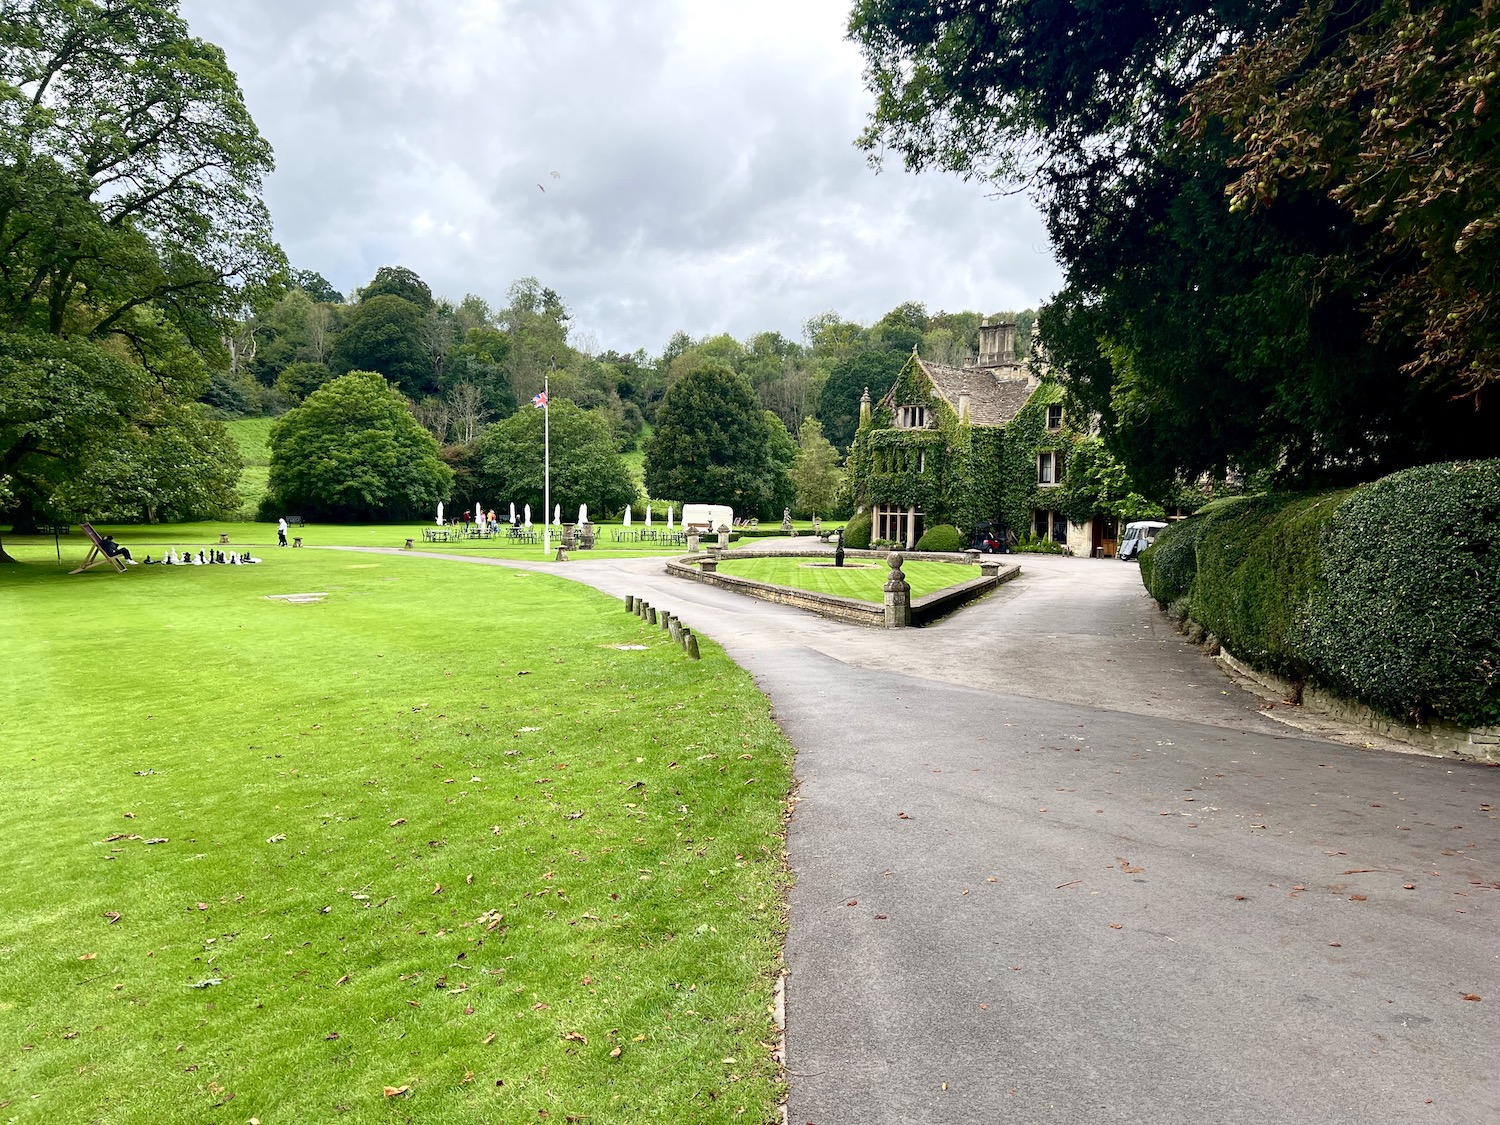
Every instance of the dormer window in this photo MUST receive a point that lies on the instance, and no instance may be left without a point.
(1054, 416)
(911, 417)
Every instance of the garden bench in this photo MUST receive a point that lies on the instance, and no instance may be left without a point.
(96, 555)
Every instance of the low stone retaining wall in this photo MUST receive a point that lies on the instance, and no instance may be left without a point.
(1481, 744)
(924, 610)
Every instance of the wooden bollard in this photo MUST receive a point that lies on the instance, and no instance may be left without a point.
(690, 643)
(666, 621)
(642, 608)
(630, 603)
(674, 626)
(650, 616)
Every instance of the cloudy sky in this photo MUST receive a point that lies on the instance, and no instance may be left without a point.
(662, 164)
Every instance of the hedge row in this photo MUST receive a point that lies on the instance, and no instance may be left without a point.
(1388, 594)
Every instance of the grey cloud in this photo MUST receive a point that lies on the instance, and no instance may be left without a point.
(706, 175)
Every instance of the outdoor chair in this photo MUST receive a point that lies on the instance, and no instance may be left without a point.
(96, 555)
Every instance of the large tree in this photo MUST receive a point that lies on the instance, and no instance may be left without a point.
(353, 451)
(386, 334)
(838, 402)
(1202, 337)
(586, 469)
(131, 224)
(711, 444)
(816, 474)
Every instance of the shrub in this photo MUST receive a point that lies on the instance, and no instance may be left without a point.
(1169, 565)
(1409, 620)
(857, 531)
(1388, 594)
(1031, 545)
(942, 537)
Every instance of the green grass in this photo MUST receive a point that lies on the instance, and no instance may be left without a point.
(863, 579)
(435, 831)
(252, 436)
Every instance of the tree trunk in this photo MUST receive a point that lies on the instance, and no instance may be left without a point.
(4, 558)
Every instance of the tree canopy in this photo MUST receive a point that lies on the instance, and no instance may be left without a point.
(1203, 337)
(711, 444)
(586, 469)
(131, 228)
(353, 451)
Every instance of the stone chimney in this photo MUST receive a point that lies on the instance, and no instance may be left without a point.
(963, 400)
(864, 407)
(997, 343)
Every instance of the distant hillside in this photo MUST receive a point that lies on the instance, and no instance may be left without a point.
(251, 435)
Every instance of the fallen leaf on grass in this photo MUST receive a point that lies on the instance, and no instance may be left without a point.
(88, 956)
(121, 836)
(158, 840)
(488, 1039)
(397, 1091)
(113, 916)
(438, 889)
(576, 1037)
(398, 821)
(615, 1053)
(332, 1035)
(276, 839)
(540, 1007)
(207, 982)
(343, 979)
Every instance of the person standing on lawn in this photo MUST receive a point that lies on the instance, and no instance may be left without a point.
(281, 532)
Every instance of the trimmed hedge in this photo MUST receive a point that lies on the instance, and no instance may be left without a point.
(857, 532)
(1388, 594)
(942, 537)
(1410, 623)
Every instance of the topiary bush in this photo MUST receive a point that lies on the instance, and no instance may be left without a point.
(941, 537)
(1408, 620)
(1259, 567)
(857, 531)
(1388, 594)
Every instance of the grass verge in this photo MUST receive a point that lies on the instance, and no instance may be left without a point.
(436, 834)
(863, 579)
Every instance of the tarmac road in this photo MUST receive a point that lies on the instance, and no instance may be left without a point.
(1053, 867)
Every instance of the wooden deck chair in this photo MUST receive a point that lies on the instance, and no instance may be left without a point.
(96, 555)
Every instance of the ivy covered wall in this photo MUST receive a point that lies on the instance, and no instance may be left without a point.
(1025, 437)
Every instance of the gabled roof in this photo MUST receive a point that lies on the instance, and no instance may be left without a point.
(996, 394)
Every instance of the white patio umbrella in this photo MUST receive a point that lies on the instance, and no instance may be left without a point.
(528, 515)
(627, 515)
(440, 513)
(669, 517)
(583, 513)
(512, 511)
(557, 514)
(648, 515)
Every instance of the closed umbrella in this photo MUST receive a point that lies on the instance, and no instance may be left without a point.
(648, 515)
(557, 514)
(669, 517)
(440, 513)
(528, 515)
(512, 511)
(583, 513)
(627, 515)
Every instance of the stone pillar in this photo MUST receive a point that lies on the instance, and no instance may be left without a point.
(897, 594)
(570, 538)
(692, 541)
(972, 556)
(723, 537)
(989, 569)
(709, 565)
(585, 537)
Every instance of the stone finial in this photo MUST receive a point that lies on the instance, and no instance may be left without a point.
(963, 400)
(864, 407)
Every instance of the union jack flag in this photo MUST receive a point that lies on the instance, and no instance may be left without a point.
(539, 400)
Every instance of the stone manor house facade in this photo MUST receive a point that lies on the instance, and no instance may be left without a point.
(984, 443)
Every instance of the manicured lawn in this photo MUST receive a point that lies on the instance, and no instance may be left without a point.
(252, 436)
(853, 580)
(437, 831)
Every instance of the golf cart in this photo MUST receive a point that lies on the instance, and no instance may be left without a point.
(1138, 536)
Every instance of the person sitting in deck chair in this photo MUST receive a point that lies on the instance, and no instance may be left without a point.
(108, 545)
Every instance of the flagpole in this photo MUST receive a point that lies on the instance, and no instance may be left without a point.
(546, 467)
